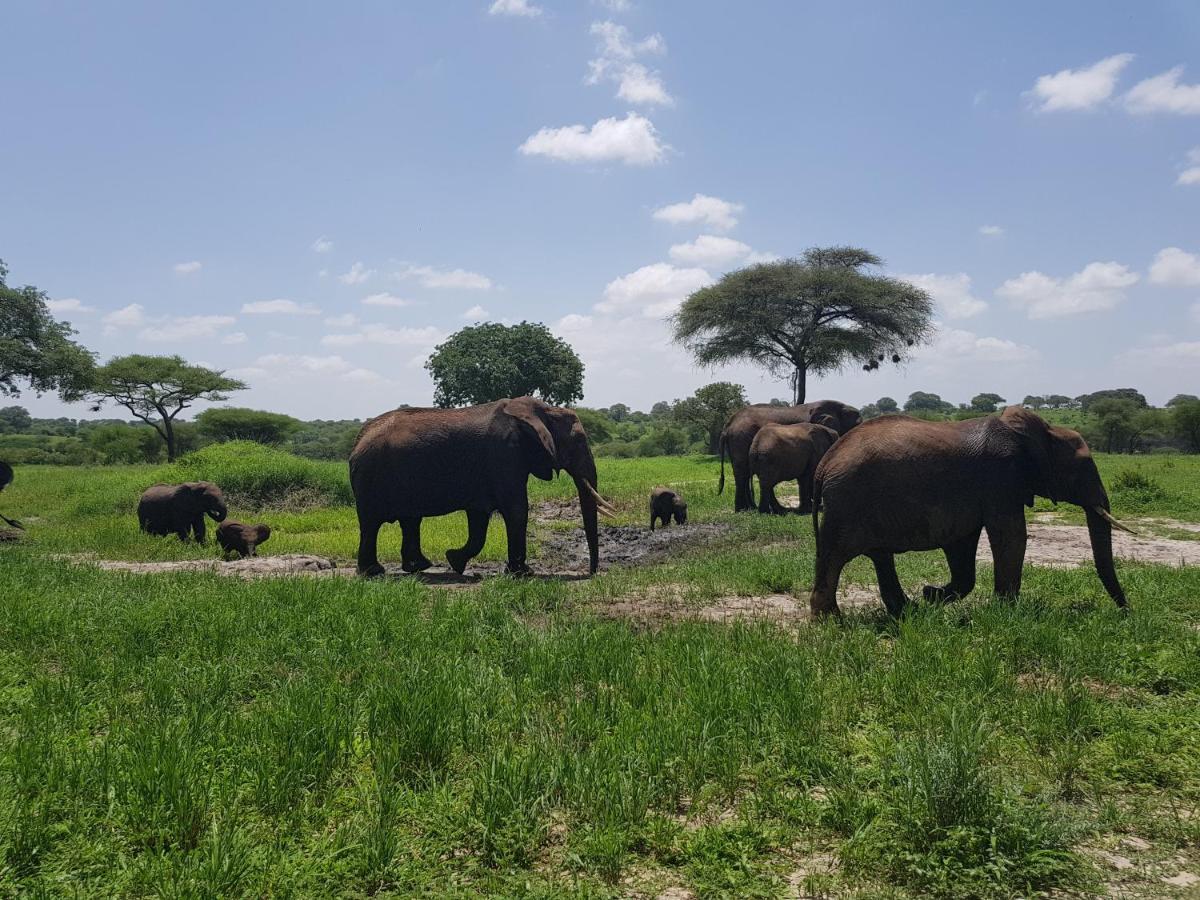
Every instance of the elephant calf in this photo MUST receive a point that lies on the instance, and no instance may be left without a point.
(242, 539)
(6, 477)
(180, 508)
(665, 504)
(785, 452)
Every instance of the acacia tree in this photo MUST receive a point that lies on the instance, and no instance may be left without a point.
(35, 348)
(817, 314)
(486, 362)
(709, 408)
(156, 389)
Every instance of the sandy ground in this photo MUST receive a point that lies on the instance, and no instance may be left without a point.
(1066, 546)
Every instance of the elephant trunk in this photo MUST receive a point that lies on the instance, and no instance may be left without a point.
(218, 512)
(1100, 532)
(585, 484)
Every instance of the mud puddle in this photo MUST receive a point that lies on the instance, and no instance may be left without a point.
(623, 545)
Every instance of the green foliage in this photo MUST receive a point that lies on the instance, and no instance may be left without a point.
(487, 362)
(887, 405)
(818, 314)
(124, 444)
(232, 423)
(987, 402)
(1180, 399)
(35, 349)
(14, 420)
(255, 475)
(1185, 423)
(709, 409)
(1087, 401)
(921, 401)
(1133, 489)
(595, 423)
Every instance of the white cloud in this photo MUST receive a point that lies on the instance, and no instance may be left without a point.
(1196, 312)
(955, 343)
(130, 316)
(617, 63)
(364, 375)
(633, 141)
(514, 8)
(709, 250)
(182, 328)
(279, 308)
(431, 277)
(475, 314)
(654, 291)
(951, 292)
(1183, 354)
(322, 245)
(235, 337)
(187, 268)
(1163, 93)
(1173, 266)
(991, 230)
(68, 305)
(1080, 88)
(711, 211)
(616, 5)
(345, 320)
(1098, 286)
(385, 299)
(1191, 174)
(383, 334)
(357, 275)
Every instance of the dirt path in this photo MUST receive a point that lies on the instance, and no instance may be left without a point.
(1067, 546)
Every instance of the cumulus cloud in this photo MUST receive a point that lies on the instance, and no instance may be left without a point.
(357, 275)
(187, 268)
(654, 291)
(1080, 88)
(68, 305)
(632, 140)
(617, 62)
(521, 8)
(1164, 94)
(701, 209)
(130, 316)
(1176, 267)
(475, 314)
(235, 337)
(384, 334)
(616, 5)
(1179, 355)
(991, 230)
(1098, 286)
(279, 307)
(951, 292)
(1191, 174)
(431, 277)
(385, 299)
(710, 250)
(956, 343)
(182, 328)
(322, 245)
(346, 320)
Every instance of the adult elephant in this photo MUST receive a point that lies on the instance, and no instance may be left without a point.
(411, 463)
(180, 508)
(786, 452)
(897, 483)
(6, 477)
(744, 424)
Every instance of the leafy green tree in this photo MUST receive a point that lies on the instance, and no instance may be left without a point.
(1148, 425)
(115, 444)
(920, 401)
(1111, 428)
(986, 402)
(487, 362)
(1086, 401)
(887, 405)
(36, 349)
(1173, 402)
(870, 411)
(15, 420)
(664, 440)
(156, 389)
(709, 408)
(618, 412)
(233, 423)
(597, 425)
(817, 314)
(1032, 401)
(660, 410)
(1059, 401)
(1185, 424)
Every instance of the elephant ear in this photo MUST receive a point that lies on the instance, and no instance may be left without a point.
(1036, 441)
(263, 532)
(538, 443)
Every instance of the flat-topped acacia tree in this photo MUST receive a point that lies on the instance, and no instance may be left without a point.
(156, 389)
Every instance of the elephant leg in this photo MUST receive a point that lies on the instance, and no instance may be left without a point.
(767, 503)
(1008, 537)
(743, 484)
(804, 485)
(411, 557)
(368, 546)
(198, 528)
(830, 562)
(890, 588)
(477, 529)
(516, 521)
(653, 519)
(961, 557)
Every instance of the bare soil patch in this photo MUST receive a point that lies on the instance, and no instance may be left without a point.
(622, 545)
(667, 603)
(252, 567)
(1067, 546)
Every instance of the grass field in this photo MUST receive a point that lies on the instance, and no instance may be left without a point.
(193, 735)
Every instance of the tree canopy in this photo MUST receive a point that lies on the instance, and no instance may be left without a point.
(1087, 401)
(817, 314)
(486, 362)
(922, 401)
(233, 423)
(709, 408)
(987, 402)
(35, 349)
(156, 389)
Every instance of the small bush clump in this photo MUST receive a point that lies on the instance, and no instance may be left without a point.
(251, 474)
(1135, 489)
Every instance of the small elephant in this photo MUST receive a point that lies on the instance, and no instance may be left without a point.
(241, 539)
(180, 508)
(665, 504)
(6, 477)
(785, 452)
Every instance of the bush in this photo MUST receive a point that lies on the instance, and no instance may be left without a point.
(254, 475)
(1135, 489)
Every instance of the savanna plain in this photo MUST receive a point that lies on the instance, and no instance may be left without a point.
(673, 727)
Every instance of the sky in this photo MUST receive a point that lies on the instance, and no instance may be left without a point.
(312, 196)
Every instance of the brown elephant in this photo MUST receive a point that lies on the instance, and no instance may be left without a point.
(666, 504)
(786, 452)
(411, 463)
(180, 508)
(6, 477)
(743, 425)
(897, 483)
(244, 540)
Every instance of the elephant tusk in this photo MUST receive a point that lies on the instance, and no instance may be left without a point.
(603, 505)
(1108, 517)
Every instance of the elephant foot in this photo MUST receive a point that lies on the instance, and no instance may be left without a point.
(934, 594)
(458, 560)
(520, 570)
(372, 571)
(805, 510)
(420, 564)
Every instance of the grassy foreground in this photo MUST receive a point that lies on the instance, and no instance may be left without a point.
(192, 735)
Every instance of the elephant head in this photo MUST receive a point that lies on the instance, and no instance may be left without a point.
(554, 440)
(1060, 467)
(838, 416)
(207, 498)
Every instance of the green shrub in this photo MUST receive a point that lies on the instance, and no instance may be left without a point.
(254, 475)
(1136, 489)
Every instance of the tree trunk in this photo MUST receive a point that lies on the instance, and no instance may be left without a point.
(170, 433)
(799, 386)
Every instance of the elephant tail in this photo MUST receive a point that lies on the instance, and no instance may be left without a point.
(816, 511)
(723, 443)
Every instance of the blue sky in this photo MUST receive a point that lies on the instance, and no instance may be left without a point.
(312, 196)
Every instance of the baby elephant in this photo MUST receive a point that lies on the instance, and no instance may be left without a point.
(241, 539)
(665, 504)
(783, 452)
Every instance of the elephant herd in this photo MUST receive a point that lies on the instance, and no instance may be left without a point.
(874, 489)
